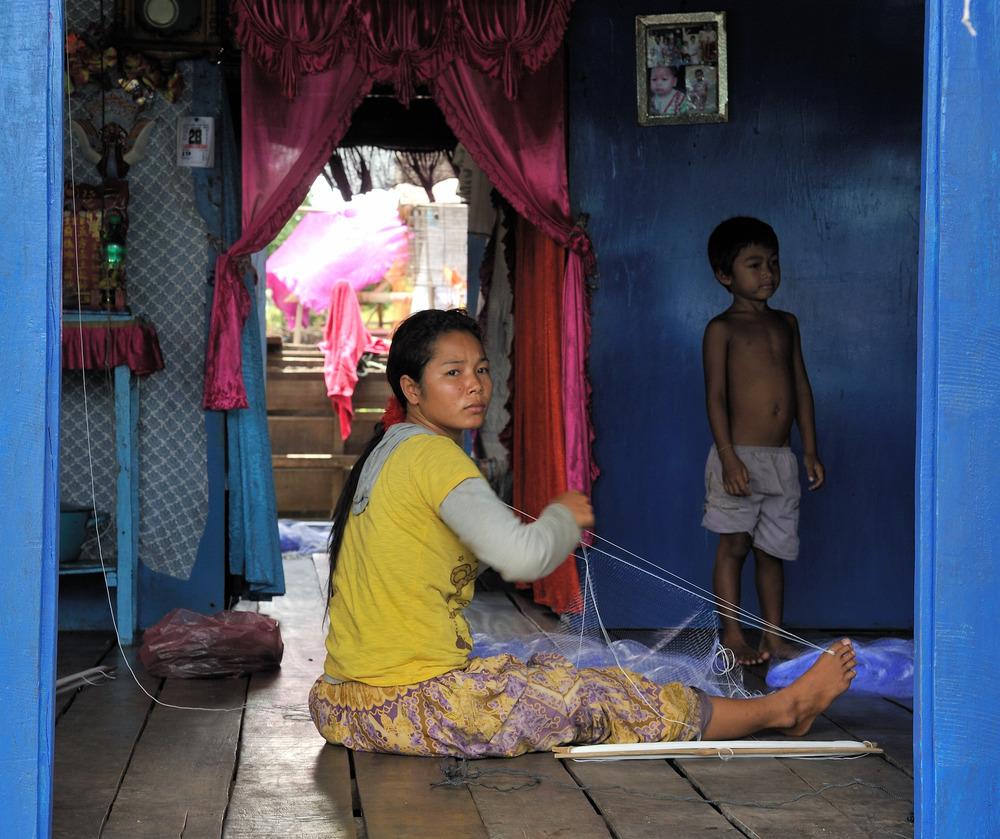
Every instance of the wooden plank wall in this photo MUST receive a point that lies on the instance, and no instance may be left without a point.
(309, 455)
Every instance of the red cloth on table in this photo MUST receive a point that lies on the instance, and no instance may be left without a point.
(345, 340)
(100, 345)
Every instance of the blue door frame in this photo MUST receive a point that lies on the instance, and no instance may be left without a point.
(31, 41)
(957, 740)
(958, 518)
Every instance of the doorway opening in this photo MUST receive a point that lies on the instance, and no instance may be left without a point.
(385, 218)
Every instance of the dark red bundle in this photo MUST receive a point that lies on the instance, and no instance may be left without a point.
(189, 645)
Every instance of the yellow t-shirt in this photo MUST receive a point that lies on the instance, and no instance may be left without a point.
(403, 579)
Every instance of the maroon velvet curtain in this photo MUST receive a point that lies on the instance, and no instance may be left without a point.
(496, 70)
(285, 144)
(520, 145)
(405, 42)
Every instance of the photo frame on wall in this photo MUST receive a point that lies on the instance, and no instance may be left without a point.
(681, 73)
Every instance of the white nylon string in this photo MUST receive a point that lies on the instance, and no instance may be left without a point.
(650, 569)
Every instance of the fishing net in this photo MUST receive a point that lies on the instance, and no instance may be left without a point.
(610, 627)
(623, 595)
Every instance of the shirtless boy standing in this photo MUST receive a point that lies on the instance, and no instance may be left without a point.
(755, 387)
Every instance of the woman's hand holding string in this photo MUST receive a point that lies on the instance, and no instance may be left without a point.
(579, 505)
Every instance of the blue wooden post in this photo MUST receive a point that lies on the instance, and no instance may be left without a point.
(127, 510)
(957, 744)
(31, 41)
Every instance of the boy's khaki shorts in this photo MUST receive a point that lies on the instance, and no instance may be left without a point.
(770, 514)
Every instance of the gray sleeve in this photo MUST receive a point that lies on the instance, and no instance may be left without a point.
(518, 551)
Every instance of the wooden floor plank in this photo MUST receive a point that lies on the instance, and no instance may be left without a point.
(95, 738)
(192, 774)
(77, 652)
(301, 614)
(879, 720)
(857, 810)
(652, 803)
(398, 800)
(552, 807)
(289, 782)
(875, 796)
(178, 781)
(756, 794)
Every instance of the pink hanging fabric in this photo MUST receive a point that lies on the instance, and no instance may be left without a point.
(520, 145)
(358, 243)
(345, 340)
(286, 302)
(401, 42)
(292, 40)
(101, 345)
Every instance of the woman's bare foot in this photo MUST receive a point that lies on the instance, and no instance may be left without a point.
(812, 692)
(743, 652)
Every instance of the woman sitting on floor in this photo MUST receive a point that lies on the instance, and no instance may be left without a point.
(409, 531)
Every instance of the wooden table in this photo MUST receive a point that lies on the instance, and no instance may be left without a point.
(130, 347)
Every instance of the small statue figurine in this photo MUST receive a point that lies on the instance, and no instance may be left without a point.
(120, 141)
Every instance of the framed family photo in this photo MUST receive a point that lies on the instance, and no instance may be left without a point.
(680, 63)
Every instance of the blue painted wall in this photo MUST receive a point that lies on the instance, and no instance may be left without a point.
(823, 142)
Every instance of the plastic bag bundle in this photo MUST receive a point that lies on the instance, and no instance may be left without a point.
(188, 645)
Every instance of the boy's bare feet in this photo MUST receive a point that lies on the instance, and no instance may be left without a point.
(743, 652)
(812, 692)
(777, 648)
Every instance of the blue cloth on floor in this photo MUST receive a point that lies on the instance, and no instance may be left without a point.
(303, 537)
(885, 668)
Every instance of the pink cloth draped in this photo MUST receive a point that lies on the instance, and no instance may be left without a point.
(477, 55)
(286, 301)
(345, 340)
(285, 145)
(358, 243)
(101, 345)
(292, 40)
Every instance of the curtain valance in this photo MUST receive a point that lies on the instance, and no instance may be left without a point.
(401, 42)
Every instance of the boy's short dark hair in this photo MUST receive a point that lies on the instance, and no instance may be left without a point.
(734, 234)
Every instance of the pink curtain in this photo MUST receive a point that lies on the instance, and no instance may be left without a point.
(286, 142)
(496, 69)
(520, 145)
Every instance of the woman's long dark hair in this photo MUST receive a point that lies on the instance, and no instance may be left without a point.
(412, 347)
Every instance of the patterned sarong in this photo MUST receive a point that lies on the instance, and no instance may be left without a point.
(502, 707)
